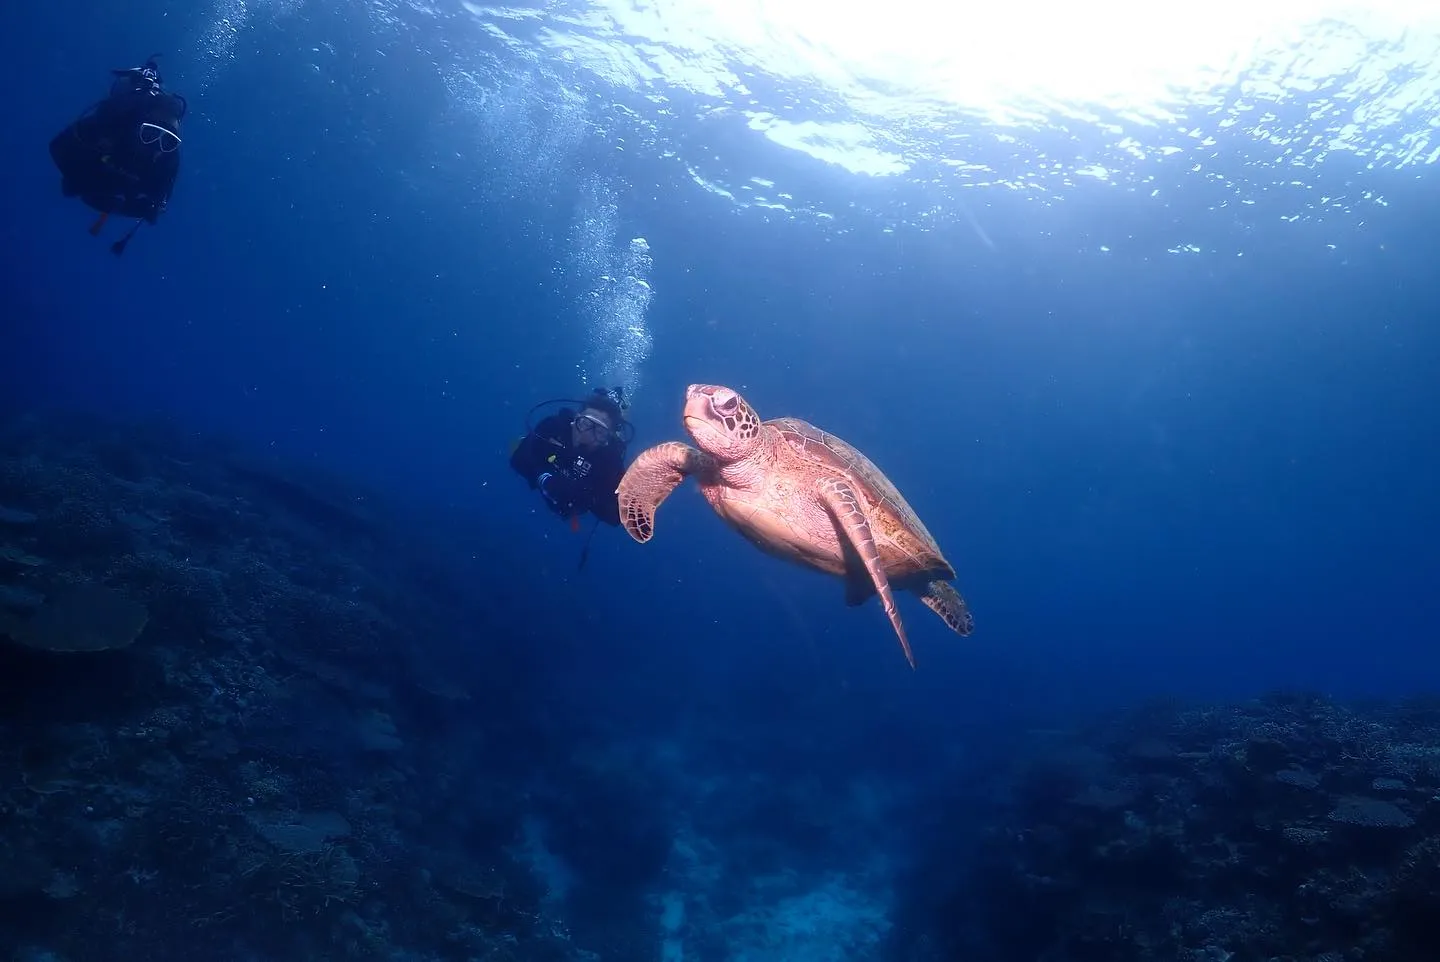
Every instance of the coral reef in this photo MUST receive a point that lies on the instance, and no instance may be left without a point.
(1287, 829)
(206, 706)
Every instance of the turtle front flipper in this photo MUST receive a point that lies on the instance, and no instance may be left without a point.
(942, 598)
(844, 505)
(651, 477)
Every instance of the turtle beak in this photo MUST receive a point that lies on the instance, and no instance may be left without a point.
(702, 431)
(697, 403)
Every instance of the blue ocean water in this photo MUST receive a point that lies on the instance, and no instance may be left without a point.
(1151, 351)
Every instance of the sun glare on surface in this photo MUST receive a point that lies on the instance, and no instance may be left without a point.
(874, 89)
(1245, 95)
(999, 58)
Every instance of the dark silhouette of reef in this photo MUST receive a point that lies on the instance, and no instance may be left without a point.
(1287, 829)
(241, 716)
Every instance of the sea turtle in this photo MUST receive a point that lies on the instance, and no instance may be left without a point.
(798, 493)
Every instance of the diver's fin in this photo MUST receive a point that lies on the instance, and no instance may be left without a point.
(99, 224)
(585, 551)
(118, 247)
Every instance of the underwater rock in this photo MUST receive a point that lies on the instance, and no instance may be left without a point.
(16, 516)
(1370, 813)
(377, 732)
(1297, 777)
(297, 833)
(83, 617)
(18, 596)
(15, 556)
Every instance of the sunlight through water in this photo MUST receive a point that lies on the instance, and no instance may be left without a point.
(1034, 97)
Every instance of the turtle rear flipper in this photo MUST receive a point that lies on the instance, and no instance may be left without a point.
(942, 598)
(844, 505)
(648, 481)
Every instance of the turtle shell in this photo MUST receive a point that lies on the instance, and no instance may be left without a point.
(906, 545)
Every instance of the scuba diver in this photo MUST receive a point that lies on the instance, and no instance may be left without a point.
(123, 154)
(575, 459)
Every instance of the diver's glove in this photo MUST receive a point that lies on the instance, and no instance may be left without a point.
(560, 491)
(145, 79)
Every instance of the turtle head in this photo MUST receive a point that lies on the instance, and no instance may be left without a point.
(722, 424)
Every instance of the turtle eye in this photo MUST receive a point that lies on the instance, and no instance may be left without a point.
(727, 403)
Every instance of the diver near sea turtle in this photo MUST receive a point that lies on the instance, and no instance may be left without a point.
(122, 155)
(575, 457)
(801, 494)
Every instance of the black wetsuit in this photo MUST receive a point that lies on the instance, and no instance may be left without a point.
(123, 154)
(572, 481)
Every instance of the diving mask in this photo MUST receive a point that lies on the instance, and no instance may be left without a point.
(153, 134)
